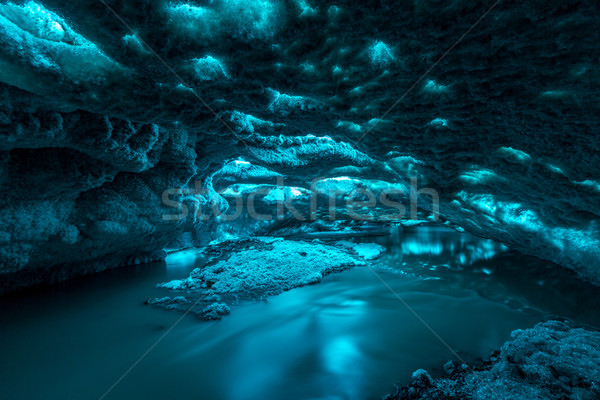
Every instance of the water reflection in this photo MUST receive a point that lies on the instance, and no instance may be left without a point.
(341, 354)
(437, 245)
(182, 259)
(492, 270)
(346, 338)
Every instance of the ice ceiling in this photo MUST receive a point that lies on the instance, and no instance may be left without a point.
(105, 105)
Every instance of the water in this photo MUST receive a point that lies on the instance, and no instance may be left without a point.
(348, 337)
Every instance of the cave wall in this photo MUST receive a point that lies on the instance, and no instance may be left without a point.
(106, 106)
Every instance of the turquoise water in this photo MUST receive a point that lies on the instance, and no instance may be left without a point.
(348, 337)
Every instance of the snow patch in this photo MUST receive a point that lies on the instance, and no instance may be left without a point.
(433, 87)
(368, 251)
(268, 270)
(208, 69)
(285, 104)
(381, 54)
(241, 19)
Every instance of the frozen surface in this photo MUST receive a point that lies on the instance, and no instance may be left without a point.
(268, 271)
(368, 251)
(550, 361)
(261, 268)
(115, 136)
(347, 336)
(104, 147)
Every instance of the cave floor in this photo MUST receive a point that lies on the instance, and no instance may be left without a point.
(348, 337)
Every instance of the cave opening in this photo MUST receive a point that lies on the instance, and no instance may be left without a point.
(298, 199)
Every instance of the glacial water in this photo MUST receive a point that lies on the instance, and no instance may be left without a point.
(349, 337)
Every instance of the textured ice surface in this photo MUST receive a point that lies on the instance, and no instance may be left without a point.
(256, 269)
(269, 270)
(550, 361)
(208, 68)
(238, 18)
(38, 41)
(95, 128)
(368, 251)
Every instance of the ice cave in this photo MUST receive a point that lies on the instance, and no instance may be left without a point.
(300, 199)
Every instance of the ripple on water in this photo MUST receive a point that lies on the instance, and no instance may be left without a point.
(348, 337)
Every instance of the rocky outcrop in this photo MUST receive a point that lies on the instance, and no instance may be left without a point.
(107, 106)
(549, 361)
(78, 188)
(257, 269)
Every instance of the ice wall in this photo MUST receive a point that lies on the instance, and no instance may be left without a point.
(106, 106)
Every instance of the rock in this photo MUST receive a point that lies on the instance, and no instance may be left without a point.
(255, 272)
(423, 377)
(449, 367)
(550, 361)
(215, 311)
(167, 301)
(268, 270)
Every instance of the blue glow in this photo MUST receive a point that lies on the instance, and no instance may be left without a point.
(351, 126)
(381, 54)
(554, 94)
(555, 169)
(208, 69)
(595, 185)
(480, 176)
(439, 122)
(341, 355)
(237, 18)
(514, 155)
(434, 87)
(305, 9)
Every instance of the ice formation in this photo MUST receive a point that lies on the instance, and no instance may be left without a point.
(368, 251)
(262, 267)
(100, 119)
(283, 265)
(550, 361)
(132, 128)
